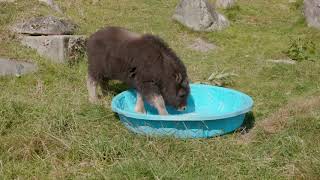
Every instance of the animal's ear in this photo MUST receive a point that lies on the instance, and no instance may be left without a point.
(178, 77)
(185, 82)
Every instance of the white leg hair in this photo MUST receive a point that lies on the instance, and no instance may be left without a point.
(159, 104)
(139, 104)
(92, 89)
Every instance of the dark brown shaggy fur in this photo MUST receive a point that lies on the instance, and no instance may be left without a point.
(144, 62)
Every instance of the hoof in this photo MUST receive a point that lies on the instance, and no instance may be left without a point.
(94, 100)
(163, 113)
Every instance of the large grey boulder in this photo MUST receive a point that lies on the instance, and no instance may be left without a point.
(17, 68)
(199, 15)
(57, 48)
(45, 25)
(312, 12)
(225, 3)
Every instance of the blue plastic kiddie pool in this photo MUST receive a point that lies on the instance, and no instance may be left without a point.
(211, 111)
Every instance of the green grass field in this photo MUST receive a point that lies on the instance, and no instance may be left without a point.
(48, 129)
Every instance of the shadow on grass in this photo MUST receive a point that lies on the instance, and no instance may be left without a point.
(248, 123)
(118, 87)
(114, 87)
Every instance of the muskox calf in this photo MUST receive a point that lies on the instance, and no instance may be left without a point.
(144, 62)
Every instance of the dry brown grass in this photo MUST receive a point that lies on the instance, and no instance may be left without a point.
(278, 121)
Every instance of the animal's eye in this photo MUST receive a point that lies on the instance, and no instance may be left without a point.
(132, 72)
(182, 93)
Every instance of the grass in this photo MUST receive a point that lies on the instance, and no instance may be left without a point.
(48, 130)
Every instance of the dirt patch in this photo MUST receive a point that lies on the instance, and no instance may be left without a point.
(278, 120)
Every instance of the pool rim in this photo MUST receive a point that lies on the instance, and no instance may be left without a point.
(186, 117)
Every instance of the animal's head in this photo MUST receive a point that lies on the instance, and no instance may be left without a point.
(175, 82)
(177, 91)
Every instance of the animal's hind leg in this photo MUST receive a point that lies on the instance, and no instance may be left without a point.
(139, 104)
(92, 89)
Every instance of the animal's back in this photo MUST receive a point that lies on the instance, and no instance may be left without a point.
(104, 44)
(108, 35)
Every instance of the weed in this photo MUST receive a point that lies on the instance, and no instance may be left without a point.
(302, 49)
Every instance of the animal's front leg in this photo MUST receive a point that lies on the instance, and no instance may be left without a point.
(139, 104)
(151, 92)
(158, 103)
(92, 89)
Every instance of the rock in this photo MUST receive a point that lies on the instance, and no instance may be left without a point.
(76, 47)
(201, 45)
(52, 4)
(282, 61)
(199, 15)
(17, 68)
(57, 48)
(225, 3)
(312, 12)
(48, 25)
